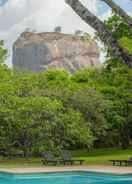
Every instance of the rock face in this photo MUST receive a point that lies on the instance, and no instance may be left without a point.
(40, 51)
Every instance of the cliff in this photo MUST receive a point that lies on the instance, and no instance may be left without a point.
(40, 51)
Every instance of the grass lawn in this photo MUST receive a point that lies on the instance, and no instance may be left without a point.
(96, 157)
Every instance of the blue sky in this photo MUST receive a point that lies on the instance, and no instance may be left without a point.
(125, 4)
(2, 2)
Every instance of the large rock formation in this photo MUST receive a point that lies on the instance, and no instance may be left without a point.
(40, 51)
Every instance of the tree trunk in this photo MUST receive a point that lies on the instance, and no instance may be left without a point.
(119, 11)
(104, 33)
(125, 139)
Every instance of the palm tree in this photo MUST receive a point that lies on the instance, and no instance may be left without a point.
(103, 32)
(118, 10)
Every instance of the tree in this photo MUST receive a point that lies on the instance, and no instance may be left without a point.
(3, 52)
(29, 125)
(119, 11)
(34, 120)
(92, 105)
(38, 122)
(118, 27)
(104, 33)
(121, 32)
(70, 131)
(117, 89)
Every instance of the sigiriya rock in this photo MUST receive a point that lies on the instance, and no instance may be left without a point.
(41, 51)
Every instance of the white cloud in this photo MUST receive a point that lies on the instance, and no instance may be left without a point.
(106, 15)
(41, 15)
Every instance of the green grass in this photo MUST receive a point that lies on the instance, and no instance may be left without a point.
(102, 156)
(96, 157)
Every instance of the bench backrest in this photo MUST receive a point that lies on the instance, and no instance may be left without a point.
(48, 155)
(66, 155)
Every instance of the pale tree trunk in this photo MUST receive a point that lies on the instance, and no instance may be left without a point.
(118, 10)
(104, 33)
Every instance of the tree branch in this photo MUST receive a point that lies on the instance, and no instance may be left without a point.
(104, 33)
(118, 10)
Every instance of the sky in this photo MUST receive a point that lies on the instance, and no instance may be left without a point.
(44, 15)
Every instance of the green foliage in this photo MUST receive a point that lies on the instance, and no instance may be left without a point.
(33, 120)
(92, 105)
(121, 32)
(126, 43)
(3, 52)
(118, 27)
(55, 110)
(94, 157)
(119, 86)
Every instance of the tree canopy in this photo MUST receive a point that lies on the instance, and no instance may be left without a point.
(55, 110)
(103, 32)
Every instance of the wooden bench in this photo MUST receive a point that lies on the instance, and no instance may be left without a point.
(121, 162)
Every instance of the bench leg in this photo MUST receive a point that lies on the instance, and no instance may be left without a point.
(44, 162)
(55, 163)
(126, 163)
